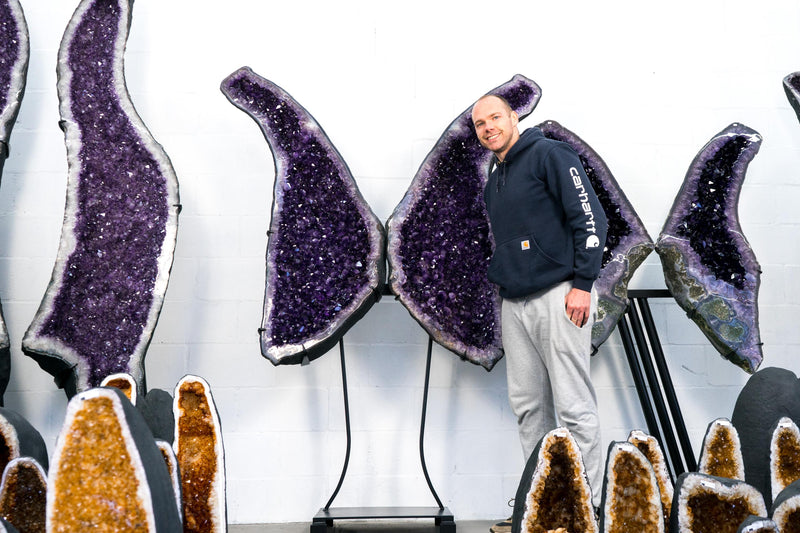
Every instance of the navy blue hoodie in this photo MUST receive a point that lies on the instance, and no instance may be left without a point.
(547, 222)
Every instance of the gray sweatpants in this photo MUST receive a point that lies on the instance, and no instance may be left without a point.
(547, 364)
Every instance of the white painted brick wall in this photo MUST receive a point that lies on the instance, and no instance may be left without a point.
(646, 86)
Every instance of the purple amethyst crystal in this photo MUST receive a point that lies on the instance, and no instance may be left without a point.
(627, 243)
(325, 262)
(708, 264)
(791, 85)
(121, 218)
(439, 241)
(14, 53)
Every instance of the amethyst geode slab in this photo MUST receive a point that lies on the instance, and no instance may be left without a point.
(121, 216)
(325, 252)
(14, 54)
(439, 244)
(708, 264)
(627, 241)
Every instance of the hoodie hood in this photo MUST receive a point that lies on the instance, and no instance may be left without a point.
(526, 139)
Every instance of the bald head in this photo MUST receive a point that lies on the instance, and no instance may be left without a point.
(495, 124)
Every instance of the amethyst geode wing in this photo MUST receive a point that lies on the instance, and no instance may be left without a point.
(439, 244)
(325, 252)
(121, 217)
(627, 241)
(14, 54)
(708, 264)
(791, 85)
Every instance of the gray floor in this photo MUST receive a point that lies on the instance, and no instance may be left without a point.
(416, 526)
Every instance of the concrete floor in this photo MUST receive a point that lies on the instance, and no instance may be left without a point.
(416, 526)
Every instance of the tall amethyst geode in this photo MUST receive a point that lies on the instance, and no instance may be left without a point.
(14, 54)
(439, 243)
(121, 217)
(627, 241)
(325, 262)
(708, 264)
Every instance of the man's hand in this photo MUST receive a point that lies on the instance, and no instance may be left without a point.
(578, 306)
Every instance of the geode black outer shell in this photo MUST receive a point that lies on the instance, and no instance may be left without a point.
(627, 241)
(108, 284)
(786, 507)
(156, 409)
(758, 524)
(733, 502)
(325, 252)
(14, 55)
(439, 243)
(6, 527)
(708, 264)
(30, 441)
(791, 85)
(769, 395)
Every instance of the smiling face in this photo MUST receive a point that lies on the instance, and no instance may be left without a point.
(495, 125)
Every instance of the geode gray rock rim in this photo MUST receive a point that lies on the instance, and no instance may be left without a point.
(439, 244)
(709, 267)
(121, 217)
(758, 524)
(791, 85)
(325, 262)
(14, 55)
(627, 241)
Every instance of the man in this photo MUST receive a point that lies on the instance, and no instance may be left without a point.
(549, 231)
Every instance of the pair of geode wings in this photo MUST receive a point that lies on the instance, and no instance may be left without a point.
(325, 251)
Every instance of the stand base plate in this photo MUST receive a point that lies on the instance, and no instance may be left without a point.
(442, 517)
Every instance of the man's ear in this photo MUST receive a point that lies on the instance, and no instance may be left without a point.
(514, 118)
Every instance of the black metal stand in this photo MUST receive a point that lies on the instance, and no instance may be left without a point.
(441, 515)
(653, 382)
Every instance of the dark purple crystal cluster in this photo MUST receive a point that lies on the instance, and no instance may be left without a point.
(325, 252)
(709, 266)
(439, 240)
(706, 222)
(121, 215)
(627, 242)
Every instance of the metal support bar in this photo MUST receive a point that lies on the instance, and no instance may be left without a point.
(668, 387)
(442, 516)
(657, 391)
